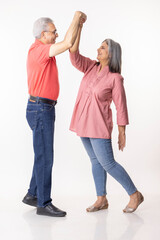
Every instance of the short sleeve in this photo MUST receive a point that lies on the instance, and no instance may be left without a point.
(41, 53)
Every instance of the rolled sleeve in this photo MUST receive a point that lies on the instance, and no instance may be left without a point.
(80, 62)
(119, 99)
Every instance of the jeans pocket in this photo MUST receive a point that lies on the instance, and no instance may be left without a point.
(47, 107)
(31, 107)
(31, 118)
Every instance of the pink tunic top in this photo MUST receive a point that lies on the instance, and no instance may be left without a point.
(92, 115)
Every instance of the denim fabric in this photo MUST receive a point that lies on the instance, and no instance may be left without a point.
(101, 155)
(41, 118)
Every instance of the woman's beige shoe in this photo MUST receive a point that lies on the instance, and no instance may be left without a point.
(95, 209)
(130, 210)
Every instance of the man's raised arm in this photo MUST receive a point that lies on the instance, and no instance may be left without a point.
(70, 36)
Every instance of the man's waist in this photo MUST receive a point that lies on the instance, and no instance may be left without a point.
(44, 100)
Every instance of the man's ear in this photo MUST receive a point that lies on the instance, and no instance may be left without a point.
(43, 35)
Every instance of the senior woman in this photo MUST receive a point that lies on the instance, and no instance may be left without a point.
(92, 118)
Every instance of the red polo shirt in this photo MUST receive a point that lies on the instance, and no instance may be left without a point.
(42, 72)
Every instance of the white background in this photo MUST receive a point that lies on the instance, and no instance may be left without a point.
(135, 25)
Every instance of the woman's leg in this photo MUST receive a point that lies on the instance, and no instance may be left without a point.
(104, 153)
(99, 174)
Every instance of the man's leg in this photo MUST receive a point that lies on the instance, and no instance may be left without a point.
(43, 149)
(43, 132)
(31, 116)
(43, 146)
(33, 186)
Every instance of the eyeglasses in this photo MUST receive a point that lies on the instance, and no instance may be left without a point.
(54, 32)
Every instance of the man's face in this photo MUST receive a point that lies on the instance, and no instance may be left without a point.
(49, 37)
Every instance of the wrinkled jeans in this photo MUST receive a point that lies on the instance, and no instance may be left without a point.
(41, 118)
(101, 155)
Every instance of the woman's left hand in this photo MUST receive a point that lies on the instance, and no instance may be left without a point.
(121, 140)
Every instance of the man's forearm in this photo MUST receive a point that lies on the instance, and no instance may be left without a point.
(75, 46)
(69, 38)
(71, 34)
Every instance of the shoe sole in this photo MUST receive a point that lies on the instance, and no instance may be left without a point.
(142, 199)
(49, 215)
(33, 205)
(97, 209)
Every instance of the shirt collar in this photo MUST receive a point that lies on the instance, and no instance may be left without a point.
(37, 41)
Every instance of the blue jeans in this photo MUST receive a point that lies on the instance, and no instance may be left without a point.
(41, 118)
(101, 155)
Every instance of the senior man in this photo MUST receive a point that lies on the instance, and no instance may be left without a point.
(43, 88)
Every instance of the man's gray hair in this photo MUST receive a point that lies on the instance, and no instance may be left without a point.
(115, 53)
(41, 25)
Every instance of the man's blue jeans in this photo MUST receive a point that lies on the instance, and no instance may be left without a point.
(102, 159)
(41, 118)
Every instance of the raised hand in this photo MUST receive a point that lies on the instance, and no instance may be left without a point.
(83, 17)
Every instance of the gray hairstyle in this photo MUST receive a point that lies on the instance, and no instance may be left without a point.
(41, 25)
(115, 53)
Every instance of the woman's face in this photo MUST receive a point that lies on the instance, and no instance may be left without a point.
(103, 55)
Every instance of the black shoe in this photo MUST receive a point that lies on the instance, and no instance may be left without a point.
(30, 200)
(50, 210)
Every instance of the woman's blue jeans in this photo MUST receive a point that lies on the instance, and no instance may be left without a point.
(101, 155)
(41, 117)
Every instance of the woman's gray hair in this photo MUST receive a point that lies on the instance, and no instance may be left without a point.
(41, 25)
(115, 53)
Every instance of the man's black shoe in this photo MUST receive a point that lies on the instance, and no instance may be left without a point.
(50, 210)
(30, 200)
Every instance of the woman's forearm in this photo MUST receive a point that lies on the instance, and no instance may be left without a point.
(121, 129)
(121, 137)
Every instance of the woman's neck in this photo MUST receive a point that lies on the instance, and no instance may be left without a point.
(102, 65)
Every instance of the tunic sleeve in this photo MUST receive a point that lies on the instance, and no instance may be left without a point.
(80, 62)
(119, 99)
